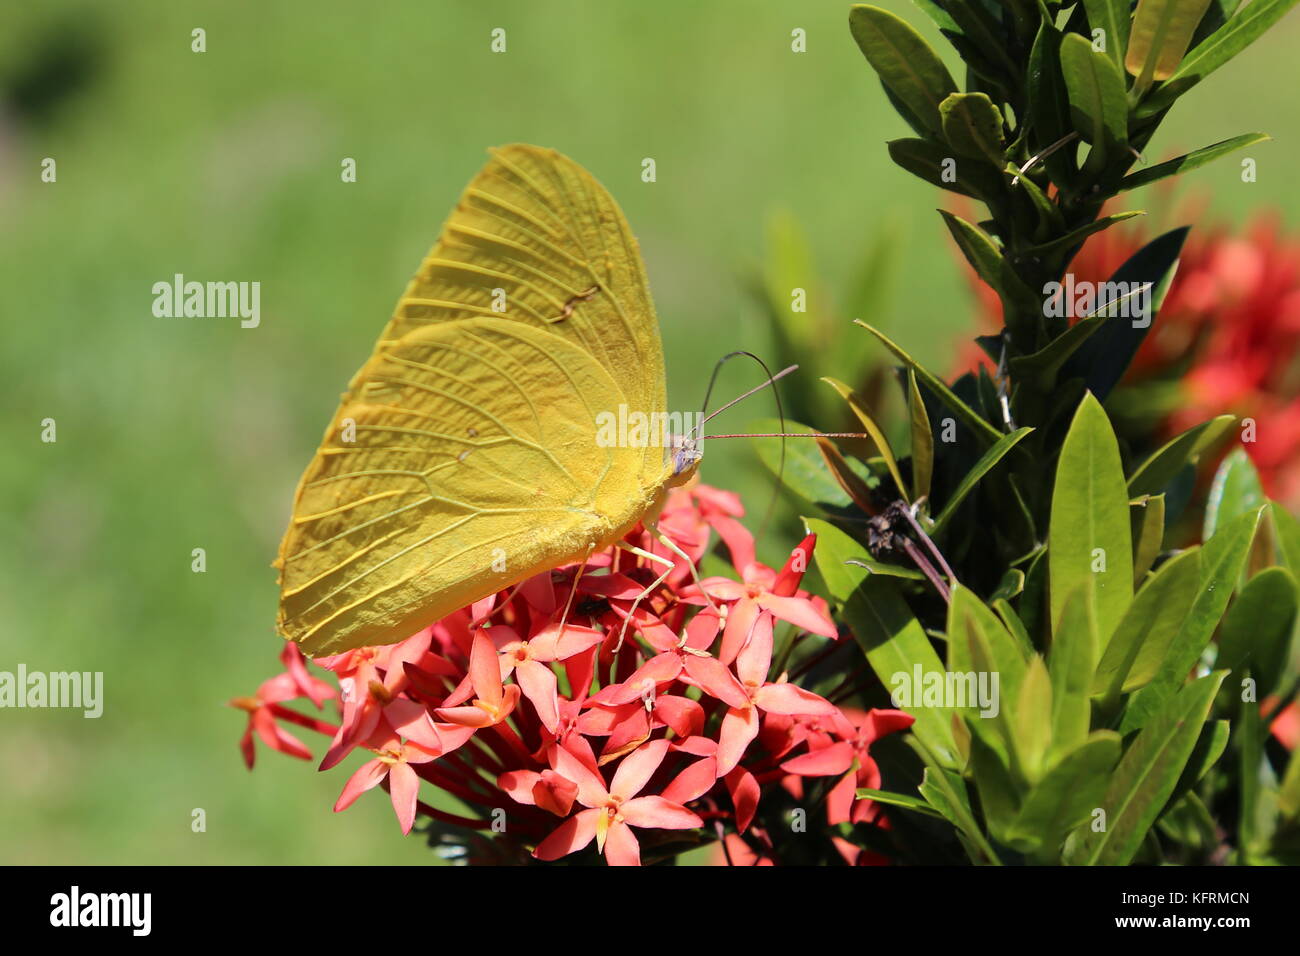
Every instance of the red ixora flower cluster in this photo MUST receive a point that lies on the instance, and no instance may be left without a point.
(545, 722)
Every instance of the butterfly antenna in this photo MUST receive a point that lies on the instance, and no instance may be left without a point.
(771, 382)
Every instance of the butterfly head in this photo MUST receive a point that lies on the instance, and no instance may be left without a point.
(686, 457)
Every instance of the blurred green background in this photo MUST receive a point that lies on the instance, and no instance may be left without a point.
(182, 433)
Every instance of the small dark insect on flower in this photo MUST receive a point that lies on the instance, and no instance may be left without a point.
(887, 532)
(593, 607)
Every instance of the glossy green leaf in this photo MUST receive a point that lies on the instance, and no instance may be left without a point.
(972, 478)
(898, 800)
(972, 126)
(892, 639)
(1146, 775)
(985, 432)
(1098, 100)
(1236, 490)
(1222, 558)
(1149, 626)
(1071, 662)
(1049, 104)
(1148, 534)
(1068, 793)
(1154, 475)
(904, 61)
(1241, 30)
(1189, 161)
(1089, 536)
(1256, 631)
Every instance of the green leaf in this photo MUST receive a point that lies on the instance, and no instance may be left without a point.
(1148, 534)
(1209, 748)
(1076, 236)
(972, 478)
(1033, 719)
(892, 639)
(898, 800)
(804, 471)
(1149, 626)
(1147, 774)
(933, 163)
(1222, 558)
(977, 247)
(1161, 31)
(999, 797)
(1102, 361)
(1068, 793)
(1098, 100)
(877, 436)
(1071, 662)
(1040, 369)
(922, 439)
(972, 126)
(1154, 475)
(946, 792)
(1049, 104)
(965, 414)
(1288, 536)
(1189, 161)
(1090, 525)
(980, 644)
(905, 62)
(1256, 631)
(1243, 29)
(1113, 17)
(1236, 490)
(1288, 798)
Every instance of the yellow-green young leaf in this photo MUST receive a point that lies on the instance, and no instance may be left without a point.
(946, 792)
(1241, 30)
(1222, 558)
(1141, 785)
(1148, 534)
(877, 436)
(1149, 626)
(922, 439)
(973, 126)
(1154, 475)
(1256, 631)
(907, 65)
(898, 800)
(1089, 535)
(1071, 663)
(1033, 719)
(981, 650)
(1067, 795)
(1161, 31)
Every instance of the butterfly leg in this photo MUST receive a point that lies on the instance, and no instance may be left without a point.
(577, 576)
(649, 556)
(671, 545)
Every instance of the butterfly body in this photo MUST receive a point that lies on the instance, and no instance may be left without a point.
(464, 455)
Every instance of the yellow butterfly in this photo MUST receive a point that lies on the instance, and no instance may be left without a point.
(464, 456)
